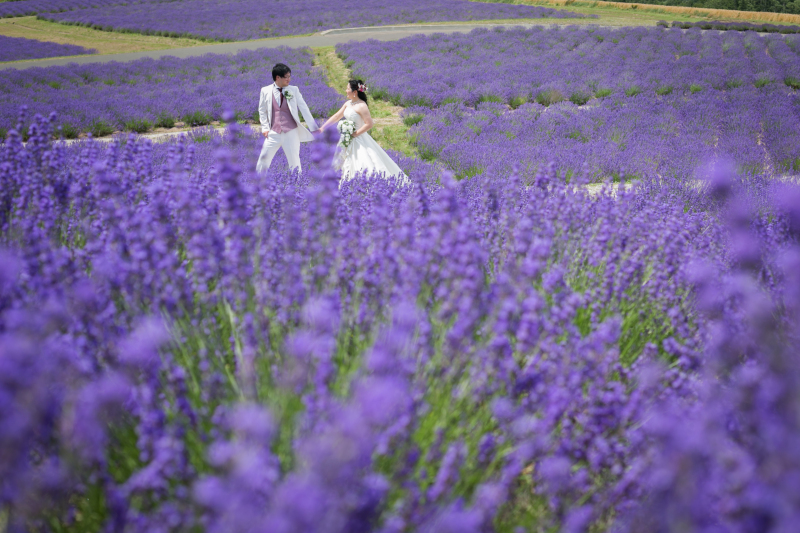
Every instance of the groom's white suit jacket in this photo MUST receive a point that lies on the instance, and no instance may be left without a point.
(295, 102)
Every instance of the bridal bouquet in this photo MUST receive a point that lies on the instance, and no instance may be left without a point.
(346, 128)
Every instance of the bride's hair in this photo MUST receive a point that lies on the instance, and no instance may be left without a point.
(360, 87)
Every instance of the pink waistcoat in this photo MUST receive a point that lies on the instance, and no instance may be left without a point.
(282, 120)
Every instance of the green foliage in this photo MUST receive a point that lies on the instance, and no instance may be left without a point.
(792, 82)
(549, 97)
(3, 134)
(524, 511)
(769, 6)
(633, 90)
(491, 98)
(602, 93)
(790, 164)
(470, 172)
(138, 125)
(196, 118)
(54, 84)
(643, 320)
(578, 136)
(89, 511)
(664, 90)
(695, 88)
(100, 128)
(416, 100)
(579, 97)
(165, 120)
(68, 131)
(517, 101)
(762, 81)
(413, 119)
(378, 93)
(426, 153)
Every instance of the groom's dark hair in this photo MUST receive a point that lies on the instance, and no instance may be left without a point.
(280, 70)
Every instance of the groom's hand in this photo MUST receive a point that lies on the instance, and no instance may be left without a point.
(265, 133)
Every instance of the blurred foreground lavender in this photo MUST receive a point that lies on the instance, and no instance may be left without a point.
(189, 345)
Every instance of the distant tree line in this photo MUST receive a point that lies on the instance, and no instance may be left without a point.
(772, 6)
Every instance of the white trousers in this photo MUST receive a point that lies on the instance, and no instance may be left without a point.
(290, 142)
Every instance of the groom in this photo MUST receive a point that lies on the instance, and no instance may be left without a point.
(280, 124)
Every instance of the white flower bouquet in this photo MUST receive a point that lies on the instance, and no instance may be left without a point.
(346, 128)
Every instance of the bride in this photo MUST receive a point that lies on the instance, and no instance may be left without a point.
(363, 153)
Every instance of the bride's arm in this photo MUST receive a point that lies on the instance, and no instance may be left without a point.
(335, 118)
(363, 110)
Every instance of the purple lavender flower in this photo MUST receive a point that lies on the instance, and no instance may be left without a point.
(146, 94)
(504, 351)
(18, 49)
(214, 20)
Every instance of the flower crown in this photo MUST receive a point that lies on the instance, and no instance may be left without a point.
(363, 88)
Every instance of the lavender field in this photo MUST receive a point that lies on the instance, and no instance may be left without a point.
(228, 20)
(21, 8)
(140, 95)
(549, 65)
(635, 101)
(17, 48)
(186, 345)
(667, 136)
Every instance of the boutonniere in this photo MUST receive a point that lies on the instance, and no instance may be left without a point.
(289, 96)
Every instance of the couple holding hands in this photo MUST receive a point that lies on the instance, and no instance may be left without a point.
(278, 108)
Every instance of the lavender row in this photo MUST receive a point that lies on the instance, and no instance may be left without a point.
(670, 136)
(549, 65)
(379, 357)
(140, 95)
(18, 48)
(21, 8)
(726, 26)
(228, 20)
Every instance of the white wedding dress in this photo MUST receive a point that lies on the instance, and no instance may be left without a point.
(364, 154)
